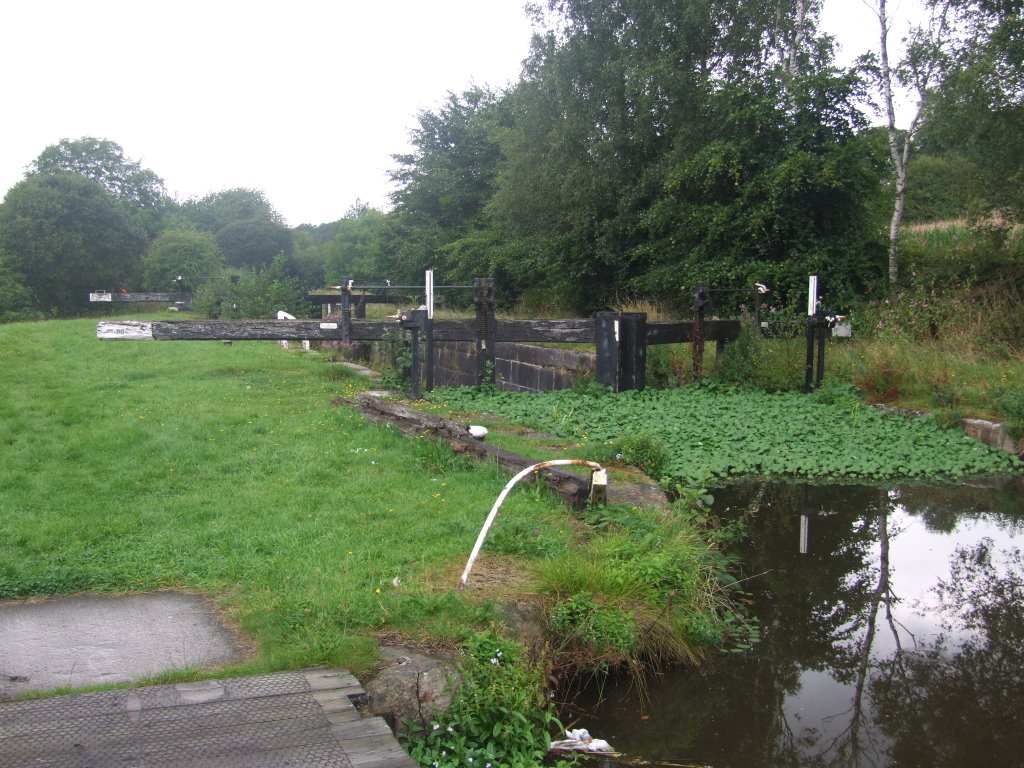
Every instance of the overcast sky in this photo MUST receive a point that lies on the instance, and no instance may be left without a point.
(305, 99)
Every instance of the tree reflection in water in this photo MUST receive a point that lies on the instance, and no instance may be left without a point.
(897, 640)
(973, 675)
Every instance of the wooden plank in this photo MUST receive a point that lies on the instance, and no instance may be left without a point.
(170, 298)
(129, 330)
(565, 331)
(682, 332)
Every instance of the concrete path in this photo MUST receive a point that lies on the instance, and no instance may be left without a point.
(295, 719)
(88, 639)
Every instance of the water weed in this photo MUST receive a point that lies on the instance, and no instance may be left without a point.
(722, 432)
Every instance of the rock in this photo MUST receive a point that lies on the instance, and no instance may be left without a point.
(524, 621)
(410, 685)
(993, 434)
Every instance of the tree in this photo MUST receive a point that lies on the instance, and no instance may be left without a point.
(104, 161)
(976, 112)
(918, 70)
(67, 236)
(181, 251)
(656, 142)
(253, 242)
(249, 231)
(259, 293)
(218, 209)
(355, 248)
(16, 300)
(445, 183)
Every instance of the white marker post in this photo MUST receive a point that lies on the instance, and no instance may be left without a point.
(430, 294)
(812, 308)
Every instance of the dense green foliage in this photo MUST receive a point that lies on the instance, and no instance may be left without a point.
(65, 235)
(974, 117)
(247, 228)
(499, 715)
(717, 432)
(138, 189)
(178, 252)
(648, 145)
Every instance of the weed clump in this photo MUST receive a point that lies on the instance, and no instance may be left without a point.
(650, 588)
(499, 714)
(772, 365)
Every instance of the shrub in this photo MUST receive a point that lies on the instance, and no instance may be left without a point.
(1011, 403)
(593, 628)
(774, 365)
(499, 715)
(646, 453)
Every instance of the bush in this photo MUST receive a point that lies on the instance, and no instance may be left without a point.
(1011, 403)
(499, 715)
(646, 453)
(596, 629)
(775, 365)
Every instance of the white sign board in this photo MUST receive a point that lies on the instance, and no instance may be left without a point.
(328, 326)
(100, 296)
(127, 329)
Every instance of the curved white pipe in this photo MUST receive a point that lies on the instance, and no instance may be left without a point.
(593, 465)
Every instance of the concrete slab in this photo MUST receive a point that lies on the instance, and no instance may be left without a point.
(98, 639)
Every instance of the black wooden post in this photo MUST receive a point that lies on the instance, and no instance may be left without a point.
(415, 321)
(621, 342)
(632, 350)
(809, 365)
(346, 309)
(822, 333)
(485, 330)
(428, 362)
(700, 302)
(606, 340)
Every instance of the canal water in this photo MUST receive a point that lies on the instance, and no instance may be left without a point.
(895, 639)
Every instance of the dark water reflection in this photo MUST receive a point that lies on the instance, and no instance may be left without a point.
(897, 639)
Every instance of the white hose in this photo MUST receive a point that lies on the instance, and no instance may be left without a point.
(594, 467)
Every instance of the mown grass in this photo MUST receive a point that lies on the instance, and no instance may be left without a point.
(224, 469)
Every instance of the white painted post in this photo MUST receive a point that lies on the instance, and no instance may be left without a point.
(812, 296)
(430, 293)
(282, 315)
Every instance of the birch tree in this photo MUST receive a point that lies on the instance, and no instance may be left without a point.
(917, 71)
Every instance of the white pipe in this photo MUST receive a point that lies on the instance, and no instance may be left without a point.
(594, 467)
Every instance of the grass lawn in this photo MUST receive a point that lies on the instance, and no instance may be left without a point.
(224, 469)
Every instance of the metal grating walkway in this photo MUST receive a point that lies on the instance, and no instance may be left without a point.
(295, 719)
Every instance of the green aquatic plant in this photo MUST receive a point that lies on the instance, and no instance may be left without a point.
(718, 432)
